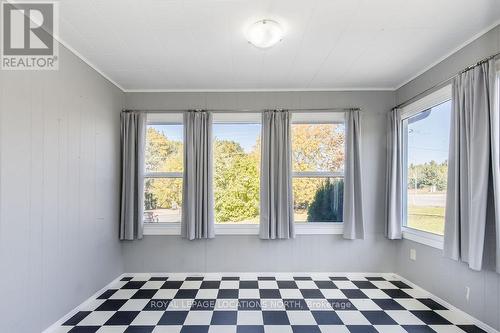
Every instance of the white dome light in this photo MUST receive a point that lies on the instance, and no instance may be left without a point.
(264, 33)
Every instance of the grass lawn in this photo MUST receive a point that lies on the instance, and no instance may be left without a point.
(426, 218)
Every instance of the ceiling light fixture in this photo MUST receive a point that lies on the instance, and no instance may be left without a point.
(264, 33)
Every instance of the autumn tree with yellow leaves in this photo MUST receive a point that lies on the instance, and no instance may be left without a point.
(318, 147)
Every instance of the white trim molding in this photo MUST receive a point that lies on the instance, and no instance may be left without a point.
(236, 229)
(306, 228)
(435, 98)
(319, 228)
(448, 54)
(425, 103)
(467, 317)
(158, 228)
(56, 327)
(230, 90)
(318, 174)
(163, 174)
(422, 237)
(464, 315)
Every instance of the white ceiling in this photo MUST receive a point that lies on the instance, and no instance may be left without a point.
(329, 44)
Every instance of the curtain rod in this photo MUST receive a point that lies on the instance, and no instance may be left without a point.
(243, 110)
(444, 82)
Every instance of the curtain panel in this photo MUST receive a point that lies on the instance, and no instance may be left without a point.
(354, 226)
(473, 174)
(197, 187)
(276, 200)
(394, 176)
(133, 140)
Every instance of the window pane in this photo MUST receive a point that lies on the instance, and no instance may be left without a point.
(164, 148)
(427, 172)
(318, 147)
(236, 172)
(162, 200)
(318, 199)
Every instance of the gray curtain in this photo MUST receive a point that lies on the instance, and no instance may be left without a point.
(472, 167)
(197, 189)
(394, 176)
(354, 227)
(133, 138)
(276, 201)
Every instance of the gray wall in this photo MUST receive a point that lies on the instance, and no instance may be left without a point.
(443, 277)
(59, 153)
(305, 253)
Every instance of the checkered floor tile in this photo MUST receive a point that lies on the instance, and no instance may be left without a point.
(251, 303)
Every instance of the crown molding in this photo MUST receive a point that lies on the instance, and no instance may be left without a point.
(88, 62)
(449, 54)
(261, 90)
(341, 89)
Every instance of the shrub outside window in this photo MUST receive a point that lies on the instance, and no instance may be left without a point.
(236, 142)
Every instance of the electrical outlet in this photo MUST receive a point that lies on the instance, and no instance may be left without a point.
(467, 293)
(413, 254)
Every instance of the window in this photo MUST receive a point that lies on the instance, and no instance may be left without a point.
(318, 172)
(318, 167)
(163, 169)
(236, 168)
(426, 130)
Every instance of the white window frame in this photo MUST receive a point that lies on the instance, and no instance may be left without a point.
(309, 228)
(237, 228)
(312, 228)
(163, 228)
(429, 101)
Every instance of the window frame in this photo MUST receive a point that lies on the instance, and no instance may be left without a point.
(236, 228)
(221, 229)
(163, 228)
(429, 101)
(304, 227)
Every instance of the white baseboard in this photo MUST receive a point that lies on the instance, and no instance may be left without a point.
(57, 324)
(444, 303)
(475, 321)
(260, 273)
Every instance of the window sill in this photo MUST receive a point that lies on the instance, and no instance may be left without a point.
(422, 237)
(310, 228)
(236, 229)
(319, 228)
(162, 229)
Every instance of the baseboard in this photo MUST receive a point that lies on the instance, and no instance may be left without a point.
(262, 273)
(57, 324)
(467, 316)
(444, 303)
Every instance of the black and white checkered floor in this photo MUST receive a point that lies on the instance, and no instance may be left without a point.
(252, 303)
